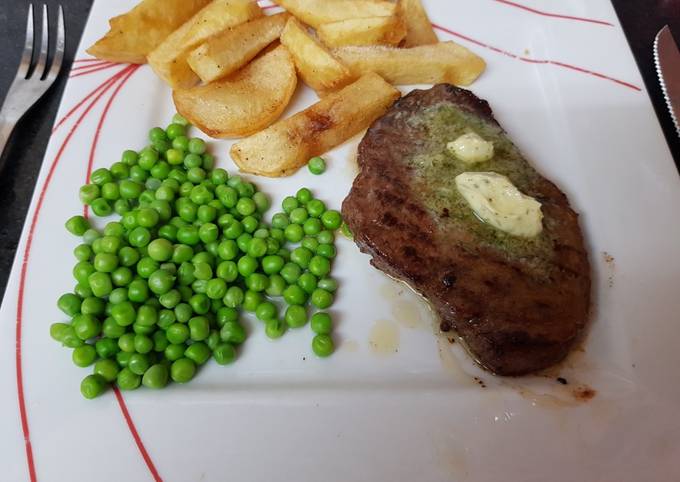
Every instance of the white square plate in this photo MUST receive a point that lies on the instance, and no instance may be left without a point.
(394, 402)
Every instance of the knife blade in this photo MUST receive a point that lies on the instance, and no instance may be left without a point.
(667, 60)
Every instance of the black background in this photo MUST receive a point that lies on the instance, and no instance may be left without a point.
(19, 166)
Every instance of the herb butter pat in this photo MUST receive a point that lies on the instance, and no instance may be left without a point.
(496, 201)
(471, 148)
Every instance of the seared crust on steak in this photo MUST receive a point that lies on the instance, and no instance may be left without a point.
(517, 310)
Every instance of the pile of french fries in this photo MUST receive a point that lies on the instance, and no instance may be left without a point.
(233, 69)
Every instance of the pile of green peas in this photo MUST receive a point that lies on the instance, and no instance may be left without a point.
(162, 290)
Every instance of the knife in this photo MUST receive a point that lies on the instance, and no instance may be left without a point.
(667, 60)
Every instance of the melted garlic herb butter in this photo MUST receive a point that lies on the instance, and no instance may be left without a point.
(496, 201)
(470, 148)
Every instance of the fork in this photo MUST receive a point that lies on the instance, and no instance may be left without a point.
(29, 85)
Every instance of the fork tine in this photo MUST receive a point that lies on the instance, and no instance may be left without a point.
(59, 47)
(25, 63)
(44, 38)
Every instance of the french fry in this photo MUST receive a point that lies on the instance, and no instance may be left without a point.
(227, 52)
(169, 59)
(245, 102)
(287, 145)
(427, 64)
(363, 31)
(135, 34)
(318, 12)
(419, 29)
(316, 65)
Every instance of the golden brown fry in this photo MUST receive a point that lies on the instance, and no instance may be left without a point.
(363, 31)
(227, 52)
(284, 147)
(135, 34)
(244, 103)
(169, 60)
(317, 67)
(428, 64)
(318, 12)
(418, 25)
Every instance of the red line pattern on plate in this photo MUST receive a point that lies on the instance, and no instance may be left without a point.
(133, 430)
(553, 15)
(22, 283)
(130, 70)
(538, 61)
(85, 99)
(91, 65)
(91, 71)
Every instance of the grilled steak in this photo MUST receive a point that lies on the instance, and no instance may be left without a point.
(518, 304)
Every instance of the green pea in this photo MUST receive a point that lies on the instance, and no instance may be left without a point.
(233, 332)
(199, 328)
(308, 282)
(257, 248)
(200, 303)
(224, 353)
(276, 285)
(303, 195)
(250, 224)
(272, 264)
(243, 242)
(139, 237)
(138, 173)
(321, 298)
(310, 243)
(327, 251)
(69, 304)
(58, 330)
(265, 311)
(261, 202)
(138, 291)
(129, 157)
(88, 193)
(165, 319)
(92, 386)
(146, 267)
(301, 256)
(82, 271)
(328, 284)
(257, 282)
(196, 174)
(127, 380)
(273, 246)
(294, 295)
(123, 358)
(138, 363)
(82, 252)
(69, 338)
(141, 329)
(346, 232)
(182, 370)
(316, 165)
(107, 369)
(160, 249)
(179, 119)
(319, 266)
(207, 214)
(83, 290)
(227, 195)
(298, 215)
(161, 281)
(312, 227)
(106, 347)
(321, 323)
(84, 356)
(219, 176)
(90, 236)
(196, 145)
(111, 329)
(290, 272)
(93, 306)
(110, 191)
(100, 283)
(246, 265)
(120, 170)
(101, 207)
(77, 225)
(198, 352)
(316, 208)
(143, 344)
(183, 312)
(177, 333)
(296, 316)
(188, 235)
(251, 300)
(156, 376)
(105, 262)
(182, 253)
(101, 176)
(274, 328)
(294, 233)
(322, 345)
(174, 352)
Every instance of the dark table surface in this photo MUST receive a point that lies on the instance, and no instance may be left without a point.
(641, 20)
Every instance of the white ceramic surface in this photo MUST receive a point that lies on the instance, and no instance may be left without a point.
(395, 402)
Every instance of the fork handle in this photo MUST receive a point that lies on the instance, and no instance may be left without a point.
(6, 128)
